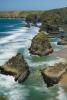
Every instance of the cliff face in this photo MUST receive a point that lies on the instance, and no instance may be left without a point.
(40, 45)
(17, 67)
(55, 74)
(52, 19)
(49, 28)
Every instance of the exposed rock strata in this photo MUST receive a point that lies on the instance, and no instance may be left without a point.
(17, 67)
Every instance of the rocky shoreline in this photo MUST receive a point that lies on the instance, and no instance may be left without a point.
(19, 69)
(41, 46)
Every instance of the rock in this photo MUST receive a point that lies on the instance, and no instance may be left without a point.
(51, 29)
(63, 40)
(17, 67)
(40, 45)
(54, 74)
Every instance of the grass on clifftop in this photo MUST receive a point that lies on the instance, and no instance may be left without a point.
(41, 36)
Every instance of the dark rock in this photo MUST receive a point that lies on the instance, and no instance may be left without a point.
(17, 67)
(28, 25)
(40, 45)
(51, 29)
(63, 40)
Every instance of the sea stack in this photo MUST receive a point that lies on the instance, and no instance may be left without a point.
(40, 45)
(55, 74)
(17, 67)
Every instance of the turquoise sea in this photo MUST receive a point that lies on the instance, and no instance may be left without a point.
(15, 37)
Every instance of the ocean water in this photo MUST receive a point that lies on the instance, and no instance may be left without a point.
(15, 37)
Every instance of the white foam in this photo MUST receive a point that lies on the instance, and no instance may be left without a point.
(19, 95)
(18, 38)
(14, 35)
(61, 94)
(14, 90)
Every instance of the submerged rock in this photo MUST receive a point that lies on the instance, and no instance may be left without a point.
(54, 74)
(40, 45)
(17, 67)
(63, 40)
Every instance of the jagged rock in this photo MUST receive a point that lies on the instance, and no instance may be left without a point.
(40, 45)
(63, 40)
(17, 67)
(51, 29)
(54, 74)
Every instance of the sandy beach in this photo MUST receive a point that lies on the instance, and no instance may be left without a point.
(62, 53)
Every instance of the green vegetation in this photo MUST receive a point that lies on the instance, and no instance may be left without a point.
(56, 16)
(41, 36)
(3, 98)
(51, 20)
(40, 45)
(19, 14)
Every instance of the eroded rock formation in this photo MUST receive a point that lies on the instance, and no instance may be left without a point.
(40, 45)
(17, 67)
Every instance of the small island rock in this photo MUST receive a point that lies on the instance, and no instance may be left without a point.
(17, 67)
(40, 45)
(54, 74)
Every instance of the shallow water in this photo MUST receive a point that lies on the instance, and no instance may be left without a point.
(14, 37)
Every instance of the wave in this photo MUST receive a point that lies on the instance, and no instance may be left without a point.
(14, 35)
(11, 89)
(61, 94)
(18, 38)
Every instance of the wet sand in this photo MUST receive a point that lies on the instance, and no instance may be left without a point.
(63, 80)
(62, 53)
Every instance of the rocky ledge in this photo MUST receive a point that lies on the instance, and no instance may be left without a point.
(56, 74)
(63, 40)
(17, 67)
(40, 45)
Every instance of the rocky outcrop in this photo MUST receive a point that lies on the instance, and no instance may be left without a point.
(17, 67)
(51, 29)
(40, 45)
(54, 74)
(63, 40)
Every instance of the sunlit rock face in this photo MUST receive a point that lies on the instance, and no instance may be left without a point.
(56, 74)
(17, 67)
